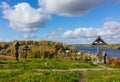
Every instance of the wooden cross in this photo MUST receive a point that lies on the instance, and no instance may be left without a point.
(99, 41)
(26, 48)
(16, 50)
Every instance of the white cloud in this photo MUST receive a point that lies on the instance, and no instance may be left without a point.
(72, 7)
(110, 31)
(108, 19)
(54, 35)
(23, 17)
(29, 36)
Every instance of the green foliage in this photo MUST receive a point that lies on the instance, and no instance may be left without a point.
(102, 76)
(36, 76)
(3, 45)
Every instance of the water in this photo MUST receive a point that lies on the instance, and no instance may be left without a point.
(110, 52)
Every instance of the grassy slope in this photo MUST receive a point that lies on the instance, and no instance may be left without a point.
(23, 71)
(45, 64)
(35, 76)
(102, 76)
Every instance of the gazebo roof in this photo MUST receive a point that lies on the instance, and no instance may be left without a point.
(100, 41)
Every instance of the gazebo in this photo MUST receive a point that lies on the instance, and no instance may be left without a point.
(99, 41)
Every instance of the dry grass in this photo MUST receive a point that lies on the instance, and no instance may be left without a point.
(2, 57)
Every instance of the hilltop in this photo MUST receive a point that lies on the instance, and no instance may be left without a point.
(38, 49)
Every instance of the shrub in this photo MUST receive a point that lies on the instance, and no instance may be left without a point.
(114, 61)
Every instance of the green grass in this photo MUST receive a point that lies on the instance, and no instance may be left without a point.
(118, 67)
(40, 64)
(35, 76)
(102, 76)
(24, 70)
(45, 76)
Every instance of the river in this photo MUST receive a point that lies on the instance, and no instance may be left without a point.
(110, 52)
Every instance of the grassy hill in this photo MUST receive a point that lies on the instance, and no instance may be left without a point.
(29, 70)
(49, 61)
(38, 49)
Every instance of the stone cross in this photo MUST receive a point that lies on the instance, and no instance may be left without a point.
(26, 48)
(16, 50)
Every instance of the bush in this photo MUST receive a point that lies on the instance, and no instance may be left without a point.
(114, 61)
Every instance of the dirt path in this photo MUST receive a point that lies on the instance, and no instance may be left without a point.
(108, 68)
(82, 76)
(78, 69)
(81, 69)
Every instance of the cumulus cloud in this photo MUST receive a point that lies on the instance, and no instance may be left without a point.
(110, 31)
(54, 35)
(23, 17)
(29, 36)
(109, 28)
(72, 7)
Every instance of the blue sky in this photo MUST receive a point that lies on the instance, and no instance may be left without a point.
(68, 21)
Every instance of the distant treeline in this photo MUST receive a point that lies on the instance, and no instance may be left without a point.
(111, 46)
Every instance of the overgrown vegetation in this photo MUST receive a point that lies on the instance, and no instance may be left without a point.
(44, 64)
(39, 49)
(49, 49)
(114, 61)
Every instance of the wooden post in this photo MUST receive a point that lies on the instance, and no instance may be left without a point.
(105, 58)
(98, 50)
(16, 50)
